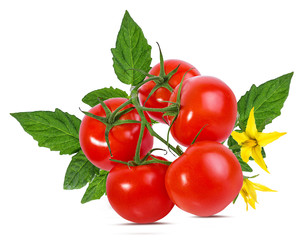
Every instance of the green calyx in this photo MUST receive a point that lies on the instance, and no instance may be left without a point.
(161, 81)
(163, 78)
(112, 119)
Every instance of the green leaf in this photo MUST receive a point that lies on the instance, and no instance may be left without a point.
(104, 93)
(57, 130)
(235, 199)
(131, 52)
(233, 145)
(79, 172)
(244, 166)
(96, 188)
(246, 177)
(267, 100)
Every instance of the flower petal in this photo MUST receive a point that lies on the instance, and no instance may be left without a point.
(252, 203)
(239, 137)
(251, 129)
(244, 194)
(264, 139)
(245, 153)
(256, 154)
(262, 188)
(251, 190)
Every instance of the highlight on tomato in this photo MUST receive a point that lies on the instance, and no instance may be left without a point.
(208, 107)
(122, 138)
(138, 193)
(205, 179)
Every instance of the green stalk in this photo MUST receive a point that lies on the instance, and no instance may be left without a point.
(138, 147)
(145, 81)
(156, 161)
(146, 124)
(112, 117)
(166, 109)
(154, 134)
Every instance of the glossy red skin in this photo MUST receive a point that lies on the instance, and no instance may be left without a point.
(163, 94)
(205, 179)
(138, 194)
(205, 101)
(123, 138)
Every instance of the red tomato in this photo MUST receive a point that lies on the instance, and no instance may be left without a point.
(163, 94)
(138, 194)
(205, 102)
(123, 138)
(205, 179)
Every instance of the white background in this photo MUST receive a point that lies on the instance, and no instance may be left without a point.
(54, 52)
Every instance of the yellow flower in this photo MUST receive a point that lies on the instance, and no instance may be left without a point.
(251, 141)
(248, 192)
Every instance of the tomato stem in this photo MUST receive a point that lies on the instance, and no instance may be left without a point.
(130, 163)
(146, 124)
(162, 70)
(107, 131)
(105, 107)
(143, 82)
(165, 109)
(193, 141)
(155, 161)
(153, 133)
(138, 147)
(116, 113)
(150, 152)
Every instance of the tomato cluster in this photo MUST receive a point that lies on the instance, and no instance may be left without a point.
(201, 112)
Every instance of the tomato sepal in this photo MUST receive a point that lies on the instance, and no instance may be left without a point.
(161, 80)
(112, 118)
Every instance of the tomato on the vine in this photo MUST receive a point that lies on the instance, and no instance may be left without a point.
(122, 138)
(162, 94)
(207, 104)
(138, 193)
(205, 179)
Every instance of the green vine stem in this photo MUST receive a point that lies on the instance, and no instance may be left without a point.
(165, 109)
(145, 123)
(116, 112)
(137, 154)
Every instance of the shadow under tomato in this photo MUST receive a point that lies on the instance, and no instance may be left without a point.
(213, 216)
(142, 224)
(140, 233)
